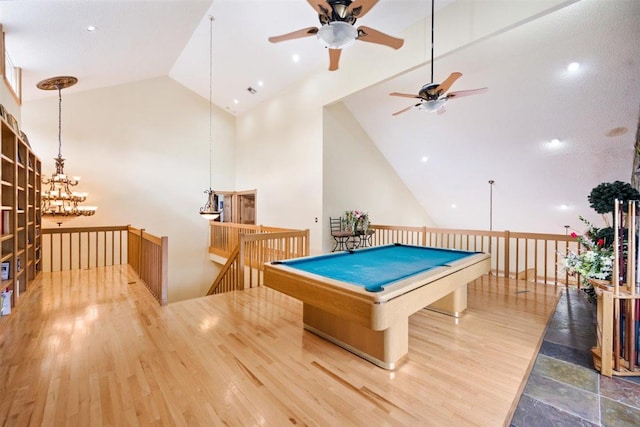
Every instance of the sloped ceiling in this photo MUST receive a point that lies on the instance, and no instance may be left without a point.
(501, 135)
(136, 40)
(504, 135)
(133, 40)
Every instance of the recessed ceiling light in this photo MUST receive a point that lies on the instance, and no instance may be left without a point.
(453, 206)
(260, 83)
(564, 207)
(235, 101)
(424, 159)
(574, 66)
(554, 142)
(295, 57)
(91, 28)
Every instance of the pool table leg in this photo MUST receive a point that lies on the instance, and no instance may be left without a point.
(453, 304)
(383, 348)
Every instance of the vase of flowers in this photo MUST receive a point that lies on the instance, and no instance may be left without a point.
(355, 221)
(595, 262)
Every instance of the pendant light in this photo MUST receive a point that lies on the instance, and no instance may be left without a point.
(59, 202)
(209, 211)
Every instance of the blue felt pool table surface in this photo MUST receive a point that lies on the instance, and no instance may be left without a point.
(373, 268)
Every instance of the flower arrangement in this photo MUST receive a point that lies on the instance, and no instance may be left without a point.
(356, 220)
(594, 263)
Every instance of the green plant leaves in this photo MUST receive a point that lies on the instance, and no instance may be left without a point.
(602, 198)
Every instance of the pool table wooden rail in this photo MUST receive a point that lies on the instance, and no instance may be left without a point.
(374, 325)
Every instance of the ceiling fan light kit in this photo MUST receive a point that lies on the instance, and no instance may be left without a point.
(432, 106)
(337, 35)
(432, 95)
(337, 31)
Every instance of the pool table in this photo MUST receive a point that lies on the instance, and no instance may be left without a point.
(362, 299)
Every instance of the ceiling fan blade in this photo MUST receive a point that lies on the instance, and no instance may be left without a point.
(403, 110)
(359, 8)
(321, 6)
(306, 32)
(445, 85)
(460, 93)
(404, 95)
(370, 35)
(334, 58)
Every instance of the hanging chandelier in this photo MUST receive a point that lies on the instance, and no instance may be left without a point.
(209, 211)
(59, 202)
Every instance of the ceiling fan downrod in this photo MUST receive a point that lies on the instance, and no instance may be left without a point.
(432, 42)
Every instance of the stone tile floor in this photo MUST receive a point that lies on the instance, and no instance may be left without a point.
(563, 388)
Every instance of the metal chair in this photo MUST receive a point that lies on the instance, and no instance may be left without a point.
(340, 236)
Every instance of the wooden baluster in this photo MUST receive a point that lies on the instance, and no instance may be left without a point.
(507, 254)
(616, 288)
(61, 252)
(631, 280)
(546, 254)
(535, 256)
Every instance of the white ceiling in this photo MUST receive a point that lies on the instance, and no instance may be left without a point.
(138, 39)
(134, 40)
(242, 55)
(499, 135)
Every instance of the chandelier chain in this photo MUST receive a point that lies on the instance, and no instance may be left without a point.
(59, 122)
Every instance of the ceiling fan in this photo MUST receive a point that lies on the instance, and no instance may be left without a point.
(337, 31)
(432, 95)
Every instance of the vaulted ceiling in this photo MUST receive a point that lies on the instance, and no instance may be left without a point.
(502, 135)
(505, 134)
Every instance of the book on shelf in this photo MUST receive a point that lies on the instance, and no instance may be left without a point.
(6, 222)
(5, 270)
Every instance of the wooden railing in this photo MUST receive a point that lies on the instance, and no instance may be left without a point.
(149, 258)
(533, 257)
(245, 264)
(86, 247)
(527, 256)
(225, 236)
(91, 247)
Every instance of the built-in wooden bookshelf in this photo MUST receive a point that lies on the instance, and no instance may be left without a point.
(20, 237)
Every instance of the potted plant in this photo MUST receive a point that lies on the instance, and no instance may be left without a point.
(595, 262)
(602, 199)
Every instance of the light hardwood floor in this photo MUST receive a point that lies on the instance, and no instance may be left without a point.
(92, 348)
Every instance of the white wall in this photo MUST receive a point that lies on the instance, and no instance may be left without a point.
(357, 176)
(142, 150)
(277, 157)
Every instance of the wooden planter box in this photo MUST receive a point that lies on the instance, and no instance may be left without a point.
(609, 336)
